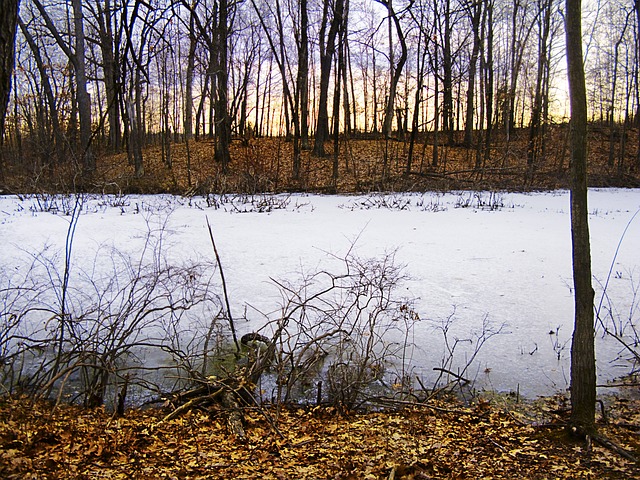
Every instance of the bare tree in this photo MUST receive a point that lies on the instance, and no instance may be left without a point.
(541, 88)
(583, 365)
(8, 25)
(106, 14)
(48, 91)
(474, 10)
(77, 59)
(396, 70)
(302, 90)
(327, 49)
(613, 123)
(422, 53)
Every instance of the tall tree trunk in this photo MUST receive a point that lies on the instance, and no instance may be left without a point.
(447, 80)
(637, 69)
(583, 365)
(613, 125)
(84, 100)
(8, 25)
(111, 70)
(374, 79)
(188, 90)
(222, 119)
(488, 79)
(436, 94)
(475, 15)
(77, 60)
(303, 74)
(336, 114)
(421, 56)
(533, 149)
(327, 49)
(346, 103)
(396, 70)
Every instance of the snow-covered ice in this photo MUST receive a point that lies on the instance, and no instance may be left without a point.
(511, 265)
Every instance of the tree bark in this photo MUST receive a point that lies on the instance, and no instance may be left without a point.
(303, 74)
(84, 99)
(447, 80)
(534, 146)
(111, 68)
(637, 72)
(222, 119)
(475, 11)
(583, 366)
(327, 49)
(188, 94)
(395, 69)
(488, 81)
(8, 25)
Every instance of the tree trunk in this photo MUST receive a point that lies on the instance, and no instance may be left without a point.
(8, 25)
(447, 81)
(534, 147)
(336, 116)
(396, 70)
(583, 366)
(111, 69)
(188, 93)
(421, 56)
(613, 125)
(303, 74)
(475, 15)
(84, 100)
(488, 76)
(327, 49)
(223, 123)
(134, 142)
(637, 72)
(77, 60)
(58, 138)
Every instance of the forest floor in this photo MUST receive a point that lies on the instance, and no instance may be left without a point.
(493, 438)
(364, 164)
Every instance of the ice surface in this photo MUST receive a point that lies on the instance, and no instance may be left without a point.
(510, 264)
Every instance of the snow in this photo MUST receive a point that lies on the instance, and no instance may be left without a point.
(510, 264)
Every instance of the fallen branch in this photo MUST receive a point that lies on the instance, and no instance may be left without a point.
(234, 391)
(614, 447)
(455, 375)
(224, 287)
(603, 442)
(187, 406)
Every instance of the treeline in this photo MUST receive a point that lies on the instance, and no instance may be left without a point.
(108, 76)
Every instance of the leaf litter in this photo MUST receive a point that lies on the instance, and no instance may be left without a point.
(493, 438)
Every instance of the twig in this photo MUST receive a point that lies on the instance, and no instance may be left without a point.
(224, 287)
(393, 401)
(186, 406)
(459, 377)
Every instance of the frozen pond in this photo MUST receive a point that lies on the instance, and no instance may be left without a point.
(503, 259)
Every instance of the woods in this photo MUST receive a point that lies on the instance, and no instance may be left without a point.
(230, 104)
(93, 79)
